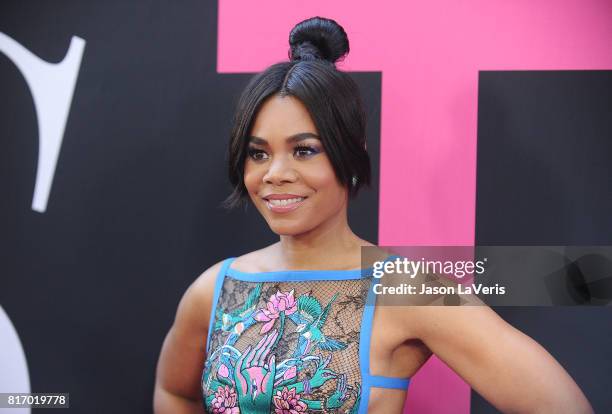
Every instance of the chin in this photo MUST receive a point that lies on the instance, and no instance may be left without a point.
(300, 224)
(288, 229)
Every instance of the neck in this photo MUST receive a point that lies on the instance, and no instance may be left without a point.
(331, 245)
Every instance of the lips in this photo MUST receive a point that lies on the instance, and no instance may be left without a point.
(284, 196)
(283, 203)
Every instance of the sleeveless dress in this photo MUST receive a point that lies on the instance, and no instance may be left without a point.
(291, 341)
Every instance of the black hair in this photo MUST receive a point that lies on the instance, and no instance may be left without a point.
(331, 97)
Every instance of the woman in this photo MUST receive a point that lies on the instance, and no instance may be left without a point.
(271, 331)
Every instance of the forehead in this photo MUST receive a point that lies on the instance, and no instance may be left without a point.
(282, 117)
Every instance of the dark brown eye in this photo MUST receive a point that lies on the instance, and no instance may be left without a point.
(303, 151)
(257, 154)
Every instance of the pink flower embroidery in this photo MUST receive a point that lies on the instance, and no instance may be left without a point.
(288, 402)
(279, 302)
(225, 401)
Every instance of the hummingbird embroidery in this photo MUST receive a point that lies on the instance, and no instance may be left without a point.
(237, 321)
(310, 318)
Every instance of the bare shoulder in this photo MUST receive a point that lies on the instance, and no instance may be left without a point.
(195, 305)
(204, 285)
(179, 365)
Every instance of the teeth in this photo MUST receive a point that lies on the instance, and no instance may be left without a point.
(289, 201)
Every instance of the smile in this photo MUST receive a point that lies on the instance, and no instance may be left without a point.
(283, 206)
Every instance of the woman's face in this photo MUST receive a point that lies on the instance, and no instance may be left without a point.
(286, 161)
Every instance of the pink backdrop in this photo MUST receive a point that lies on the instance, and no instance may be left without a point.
(429, 53)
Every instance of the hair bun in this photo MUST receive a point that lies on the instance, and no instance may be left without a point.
(318, 38)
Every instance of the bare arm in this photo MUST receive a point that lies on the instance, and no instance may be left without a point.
(508, 368)
(179, 369)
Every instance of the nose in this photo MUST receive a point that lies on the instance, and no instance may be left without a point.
(281, 170)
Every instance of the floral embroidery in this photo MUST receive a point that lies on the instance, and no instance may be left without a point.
(288, 402)
(225, 401)
(289, 377)
(280, 302)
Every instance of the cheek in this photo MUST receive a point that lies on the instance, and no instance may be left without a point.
(325, 182)
(320, 174)
(322, 181)
(252, 178)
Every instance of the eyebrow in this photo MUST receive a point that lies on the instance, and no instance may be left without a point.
(291, 139)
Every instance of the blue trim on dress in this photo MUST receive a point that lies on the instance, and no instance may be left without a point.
(368, 380)
(389, 382)
(213, 310)
(364, 349)
(299, 275)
